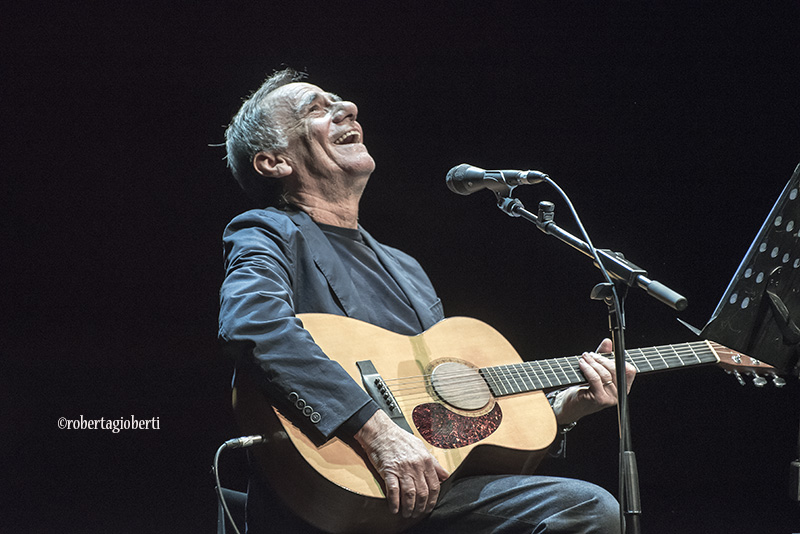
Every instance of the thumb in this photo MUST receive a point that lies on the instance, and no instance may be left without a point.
(605, 347)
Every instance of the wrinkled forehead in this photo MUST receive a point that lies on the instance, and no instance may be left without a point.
(291, 99)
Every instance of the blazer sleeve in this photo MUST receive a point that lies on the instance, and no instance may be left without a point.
(259, 328)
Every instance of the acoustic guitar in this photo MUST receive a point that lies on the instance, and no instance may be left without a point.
(460, 387)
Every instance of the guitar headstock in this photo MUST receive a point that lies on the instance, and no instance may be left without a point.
(739, 364)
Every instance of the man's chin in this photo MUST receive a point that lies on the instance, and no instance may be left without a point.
(366, 166)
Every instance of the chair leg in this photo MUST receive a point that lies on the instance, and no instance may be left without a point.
(237, 504)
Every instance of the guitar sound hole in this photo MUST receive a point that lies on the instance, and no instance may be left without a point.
(460, 385)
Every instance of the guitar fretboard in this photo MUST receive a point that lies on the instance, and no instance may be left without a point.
(558, 372)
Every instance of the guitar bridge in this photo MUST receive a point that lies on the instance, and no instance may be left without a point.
(381, 394)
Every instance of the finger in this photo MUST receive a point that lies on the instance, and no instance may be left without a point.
(408, 496)
(441, 472)
(392, 493)
(591, 370)
(630, 370)
(422, 496)
(602, 366)
(630, 375)
(606, 364)
(432, 479)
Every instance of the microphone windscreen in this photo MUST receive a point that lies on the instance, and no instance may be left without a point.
(456, 178)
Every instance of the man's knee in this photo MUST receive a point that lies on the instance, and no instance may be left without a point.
(593, 511)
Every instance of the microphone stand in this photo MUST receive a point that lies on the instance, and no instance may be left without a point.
(613, 265)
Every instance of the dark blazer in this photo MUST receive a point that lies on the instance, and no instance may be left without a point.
(278, 264)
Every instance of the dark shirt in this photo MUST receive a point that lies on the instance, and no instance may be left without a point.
(390, 308)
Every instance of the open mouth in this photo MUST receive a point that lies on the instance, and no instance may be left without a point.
(347, 138)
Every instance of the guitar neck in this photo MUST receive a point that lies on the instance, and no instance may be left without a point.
(558, 372)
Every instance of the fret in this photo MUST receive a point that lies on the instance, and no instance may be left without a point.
(694, 358)
(694, 354)
(561, 375)
(680, 357)
(534, 382)
(519, 372)
(494, 381)
(543, 373)
(662, 364)
(501, 372)
(677, 355)
(540, 376)
(552, 377)
(524, 378)
(637, 361)
(575, 369)
(512, 379)
(501, 379)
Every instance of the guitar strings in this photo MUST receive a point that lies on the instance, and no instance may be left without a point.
(475, 383)
(570, 362)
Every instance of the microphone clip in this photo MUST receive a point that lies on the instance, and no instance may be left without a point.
(509, 206)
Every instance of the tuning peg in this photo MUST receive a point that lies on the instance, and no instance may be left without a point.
(739, 378)
(778, 381)
(759, 381)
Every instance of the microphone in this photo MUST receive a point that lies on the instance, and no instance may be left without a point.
(466, 179)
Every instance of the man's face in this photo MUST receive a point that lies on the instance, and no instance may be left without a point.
(324, 137)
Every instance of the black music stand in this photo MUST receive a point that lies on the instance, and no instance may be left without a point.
(760, 310)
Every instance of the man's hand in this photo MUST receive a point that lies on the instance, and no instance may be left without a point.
(411, 474)
(577, 401)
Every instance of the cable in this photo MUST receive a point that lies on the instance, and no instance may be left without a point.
(237, 443)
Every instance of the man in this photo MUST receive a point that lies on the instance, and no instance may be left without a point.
(311, 255)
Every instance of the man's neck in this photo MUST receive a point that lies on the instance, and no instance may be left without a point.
(341, 214)
(328, 201)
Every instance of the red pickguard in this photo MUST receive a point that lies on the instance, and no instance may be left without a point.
(448, 430)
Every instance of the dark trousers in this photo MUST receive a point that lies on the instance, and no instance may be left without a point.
(491, 504)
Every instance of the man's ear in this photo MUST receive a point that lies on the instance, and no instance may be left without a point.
(271, 165)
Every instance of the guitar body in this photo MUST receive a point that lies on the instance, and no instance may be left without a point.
(333, 486)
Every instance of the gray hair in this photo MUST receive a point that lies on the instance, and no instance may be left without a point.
(253, 130)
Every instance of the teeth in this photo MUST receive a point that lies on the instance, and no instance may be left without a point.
(345, 135)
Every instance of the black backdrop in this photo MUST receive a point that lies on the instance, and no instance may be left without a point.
(672, 126)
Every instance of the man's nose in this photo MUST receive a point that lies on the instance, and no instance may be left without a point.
(345, 110)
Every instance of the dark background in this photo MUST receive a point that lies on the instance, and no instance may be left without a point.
(672, 125)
